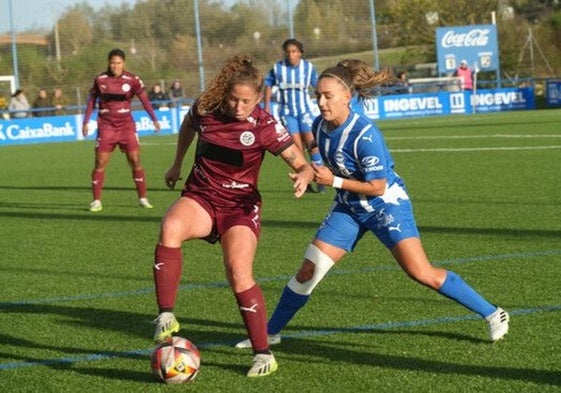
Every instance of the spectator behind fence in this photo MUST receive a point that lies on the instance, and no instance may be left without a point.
(3, 107)
(41, 105)
(59, 102)
(464, 72)
(19, 106)
(402, 84)
(176, 93)
(158, 97)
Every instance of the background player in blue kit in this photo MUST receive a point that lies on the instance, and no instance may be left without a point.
(370, 197)
(293, 77)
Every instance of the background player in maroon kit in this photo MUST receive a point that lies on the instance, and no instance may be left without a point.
(220, 200)
(114, 89)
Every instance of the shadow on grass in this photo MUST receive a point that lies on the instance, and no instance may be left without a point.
(342, 352)
(217, 335)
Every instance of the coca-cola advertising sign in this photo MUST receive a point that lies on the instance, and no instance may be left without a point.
(476, 44)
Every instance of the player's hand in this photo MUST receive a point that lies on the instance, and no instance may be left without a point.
(157, 126)
(300, 183)
(85, 130)
(322, 174)
(172, 176)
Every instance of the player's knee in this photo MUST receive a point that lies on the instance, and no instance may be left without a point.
(315, 267)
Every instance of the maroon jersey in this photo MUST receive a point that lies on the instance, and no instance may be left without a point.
(114, 95)
(229, 156)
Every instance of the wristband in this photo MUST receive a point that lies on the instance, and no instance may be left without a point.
(316, 159)
(337, 182)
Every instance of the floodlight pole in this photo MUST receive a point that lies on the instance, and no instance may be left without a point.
(199, 47)
(290, 23)
(14, 45)
(374, 35)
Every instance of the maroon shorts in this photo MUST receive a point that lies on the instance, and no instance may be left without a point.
(108, 137)
(224, 218)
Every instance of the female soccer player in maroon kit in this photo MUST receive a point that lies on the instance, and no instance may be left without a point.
(220, 200)
(115, 89)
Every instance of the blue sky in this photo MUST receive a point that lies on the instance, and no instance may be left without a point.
(41, 14)
(29, 14)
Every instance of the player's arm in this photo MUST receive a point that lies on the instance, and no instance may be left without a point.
(304, 175)
(186, 135)
(147, 105)
(374, 187)
(88, 113)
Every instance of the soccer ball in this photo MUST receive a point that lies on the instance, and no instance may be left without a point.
(176, 361)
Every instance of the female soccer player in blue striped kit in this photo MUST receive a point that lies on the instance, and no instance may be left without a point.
(370, 196)
(294, 76)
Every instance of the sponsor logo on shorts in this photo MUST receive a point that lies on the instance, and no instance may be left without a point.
(235, 185)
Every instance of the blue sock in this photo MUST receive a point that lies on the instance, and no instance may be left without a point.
(457, 289)
(288, 305)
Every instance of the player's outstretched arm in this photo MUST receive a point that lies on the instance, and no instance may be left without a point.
(293, 156)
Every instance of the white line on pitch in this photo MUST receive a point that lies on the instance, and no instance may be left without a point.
(460, 149)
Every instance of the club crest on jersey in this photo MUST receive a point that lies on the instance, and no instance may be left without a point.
(247, 138)
(126, 87)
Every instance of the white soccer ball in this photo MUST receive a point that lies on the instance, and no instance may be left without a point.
(176, 361)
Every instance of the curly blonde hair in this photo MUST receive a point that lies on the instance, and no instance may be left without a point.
(237, 70)
(358, 76)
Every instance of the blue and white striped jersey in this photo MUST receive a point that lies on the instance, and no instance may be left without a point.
(293, 83)
(357, 150)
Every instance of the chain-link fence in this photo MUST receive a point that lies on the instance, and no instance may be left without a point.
(188, 40)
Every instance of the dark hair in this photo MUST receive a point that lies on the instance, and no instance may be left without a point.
(116, 52)
(295, 42)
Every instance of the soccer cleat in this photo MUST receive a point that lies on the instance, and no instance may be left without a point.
(263, 365)
(498, 324)
(143, 202)
(166, 325)
(95, 206)
(272, 339)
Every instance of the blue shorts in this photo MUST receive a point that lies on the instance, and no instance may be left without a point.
(390, 223)
(298, 124)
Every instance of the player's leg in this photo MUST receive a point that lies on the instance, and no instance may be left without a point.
(319, 258)
(186, 219)
(412, 258)
(239, 244)
(337, 234)
(131, 146)
(102, 159)
(292, 125)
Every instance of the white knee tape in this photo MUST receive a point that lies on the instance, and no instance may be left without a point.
(322, 264)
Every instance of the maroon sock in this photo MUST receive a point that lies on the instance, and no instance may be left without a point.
(98, 178)
(167, 274)
(254, 314)
(139, 178)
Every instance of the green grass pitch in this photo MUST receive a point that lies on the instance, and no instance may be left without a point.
(77, 298)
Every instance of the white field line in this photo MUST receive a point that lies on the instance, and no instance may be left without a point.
(460, 149)
(504, 136)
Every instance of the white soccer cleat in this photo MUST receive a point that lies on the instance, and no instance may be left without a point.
(272, 339)
(166, 325)
(498, 324)
(143, 202)
(263, 365)
(96, 206)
